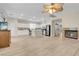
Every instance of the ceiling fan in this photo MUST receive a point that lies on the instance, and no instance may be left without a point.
(52, 8)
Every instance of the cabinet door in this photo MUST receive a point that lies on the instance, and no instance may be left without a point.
(4, 38)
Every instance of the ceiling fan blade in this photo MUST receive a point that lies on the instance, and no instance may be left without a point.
(52, 15)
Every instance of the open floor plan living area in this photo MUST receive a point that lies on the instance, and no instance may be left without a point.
(39, 29)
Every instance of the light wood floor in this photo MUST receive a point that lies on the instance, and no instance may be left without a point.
(41, 46)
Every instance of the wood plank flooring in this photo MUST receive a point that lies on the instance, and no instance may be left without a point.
(41, 46)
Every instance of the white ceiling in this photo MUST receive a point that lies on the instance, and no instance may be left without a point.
(31, 11)
(22, 9)
(27, 11)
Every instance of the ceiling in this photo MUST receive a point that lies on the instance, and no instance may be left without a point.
(26, 11)
(31, 11)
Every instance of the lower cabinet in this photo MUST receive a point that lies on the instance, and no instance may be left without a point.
(5, 38)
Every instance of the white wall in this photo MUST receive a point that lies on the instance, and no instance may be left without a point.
(70, 19)
(22, 32)
(70, 15)
(13, 24)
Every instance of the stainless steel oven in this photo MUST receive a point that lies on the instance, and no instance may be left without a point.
(71, 34)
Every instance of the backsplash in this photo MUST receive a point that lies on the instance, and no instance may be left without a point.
(3, 26)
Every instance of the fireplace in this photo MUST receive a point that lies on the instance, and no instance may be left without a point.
(71, 34)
